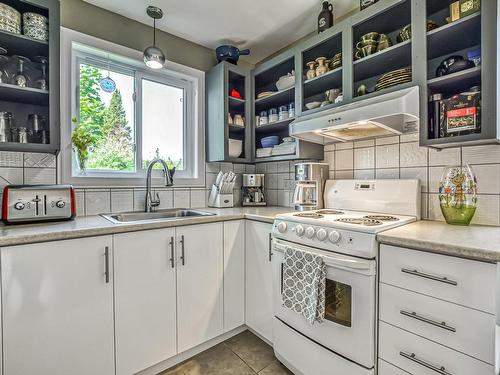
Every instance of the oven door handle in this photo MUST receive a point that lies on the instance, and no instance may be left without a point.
(332, 261)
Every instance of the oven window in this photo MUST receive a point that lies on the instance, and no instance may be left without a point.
(338, 302)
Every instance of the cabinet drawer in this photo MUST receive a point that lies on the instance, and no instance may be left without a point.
(385, 368)
(466, 330)
(465, 282)
(419, 356)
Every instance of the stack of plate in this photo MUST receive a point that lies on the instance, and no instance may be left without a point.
(10, 19)
(36, 26)
(336, 61)
(396, 77)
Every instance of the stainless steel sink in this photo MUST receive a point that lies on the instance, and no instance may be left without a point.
(160, 215)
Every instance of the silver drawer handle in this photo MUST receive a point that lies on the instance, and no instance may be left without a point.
(429, 276)
(414, 315)
(412, 357)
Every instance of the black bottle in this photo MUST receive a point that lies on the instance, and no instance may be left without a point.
(325, 18)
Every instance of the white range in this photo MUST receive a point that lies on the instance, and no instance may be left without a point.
(344, 234)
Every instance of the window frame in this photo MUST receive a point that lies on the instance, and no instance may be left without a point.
(77, 47)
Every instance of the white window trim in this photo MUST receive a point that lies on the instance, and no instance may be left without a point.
(195, 134)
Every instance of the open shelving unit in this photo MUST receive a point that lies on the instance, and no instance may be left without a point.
(23, 101)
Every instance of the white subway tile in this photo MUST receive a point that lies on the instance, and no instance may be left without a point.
(488, 210)
(226, 167)
(419, 173)
(447, 156)
(237, 198)
(488, 178)
(239, 168)
(210, 179)
(271, 167)
(260, 168)
(330, 147)
(80, 202)
(387, 156)
(139, 199)
(11, 159)
(330, 159)
(364, 174)
(122, 200)
(411, 137)
(364, 158)
(283, 198)
(97, 202)
(272, 197)
(387, 140)
(481, 154)
(344, 160)
(344, 146)
(11, 176)
(38, 176)
(36, 160)
(272, 180)
(282, 178)
(182, 198)
(412, 155)
(331, 175)
(344, 175)
(389, 173)
(198, 198)
(213, 167)
(435, 174)
(365, 143)
(283, 166)
(424, 202)
(166, 197)
(434, 208)
(250, 168)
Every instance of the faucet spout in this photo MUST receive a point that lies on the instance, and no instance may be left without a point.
(154, 201)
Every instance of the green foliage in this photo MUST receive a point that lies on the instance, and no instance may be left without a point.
(82, 140)
(92, 109)
(112, 155)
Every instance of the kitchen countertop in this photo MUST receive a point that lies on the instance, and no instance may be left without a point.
(472, 242)
(87, 226)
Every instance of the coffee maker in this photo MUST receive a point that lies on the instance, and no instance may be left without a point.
(310, 181)
(252, 190)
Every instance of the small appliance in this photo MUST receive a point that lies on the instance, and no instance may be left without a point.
(252, 190)
(36, 203)
(309, 184)
(344, 234)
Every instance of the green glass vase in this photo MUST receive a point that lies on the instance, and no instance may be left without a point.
(458, 195)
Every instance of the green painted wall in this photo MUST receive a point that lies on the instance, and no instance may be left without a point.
(89, 19)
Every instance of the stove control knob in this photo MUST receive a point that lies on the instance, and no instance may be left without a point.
(60, 204)
(321, 234)
(299, 229)
(19, 206)
(282, 227)
(334, 236)
(310, 232)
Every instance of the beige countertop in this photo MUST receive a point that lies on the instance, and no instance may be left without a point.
(472, 242)
(97, 226)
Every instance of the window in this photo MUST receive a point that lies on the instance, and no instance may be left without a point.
(132, 115)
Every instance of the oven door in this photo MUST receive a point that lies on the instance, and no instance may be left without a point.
(349, 325)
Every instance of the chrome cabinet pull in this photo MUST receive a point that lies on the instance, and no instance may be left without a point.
(172, 252)
(414, 315)
(429, 276)
(106, 264)
(412, 357)
(270, 247)
(183, 258)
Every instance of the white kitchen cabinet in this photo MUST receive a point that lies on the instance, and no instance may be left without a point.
(234, 274)
(259, 279)
(200, 288)
(57, 302)
(145, 299)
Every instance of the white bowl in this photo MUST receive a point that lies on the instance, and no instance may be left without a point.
(313, 105)
(235, 148)
(285, 82)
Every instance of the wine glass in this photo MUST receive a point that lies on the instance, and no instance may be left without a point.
(42, 82)
(20, 77)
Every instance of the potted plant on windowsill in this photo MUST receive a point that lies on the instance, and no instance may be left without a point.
(82, 140)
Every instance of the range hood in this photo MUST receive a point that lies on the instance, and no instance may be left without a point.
(388, 114)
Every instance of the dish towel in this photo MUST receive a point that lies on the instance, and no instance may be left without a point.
(304, 280)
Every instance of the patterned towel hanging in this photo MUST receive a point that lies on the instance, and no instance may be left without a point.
(304, 280)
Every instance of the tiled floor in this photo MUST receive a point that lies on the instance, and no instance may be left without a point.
(243, 354)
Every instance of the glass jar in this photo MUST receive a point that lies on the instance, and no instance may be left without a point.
(273, 115)
(263, 119)
(458, 194)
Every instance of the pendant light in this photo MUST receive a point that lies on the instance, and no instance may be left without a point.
(153, 56)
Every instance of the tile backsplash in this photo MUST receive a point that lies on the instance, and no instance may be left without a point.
(391, 157)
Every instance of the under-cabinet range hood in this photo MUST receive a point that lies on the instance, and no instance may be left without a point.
(388, 114)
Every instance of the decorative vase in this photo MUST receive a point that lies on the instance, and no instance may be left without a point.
(458, 195)
(311, 73)
(81, 157)
(321, 68)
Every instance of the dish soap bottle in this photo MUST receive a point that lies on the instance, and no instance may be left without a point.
(325, 18)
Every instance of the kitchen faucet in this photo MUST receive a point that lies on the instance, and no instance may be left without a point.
(151, 201)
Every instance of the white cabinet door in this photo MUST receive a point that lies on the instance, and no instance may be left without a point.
(145, 301)
(234, 274)
(58, 308)
(259, 279)
(199, 284)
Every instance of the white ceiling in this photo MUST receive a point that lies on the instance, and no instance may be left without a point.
(264, 26)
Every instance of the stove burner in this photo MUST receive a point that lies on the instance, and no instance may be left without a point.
(381, 217)
(329, 212)
(360, 221)
(311, 215)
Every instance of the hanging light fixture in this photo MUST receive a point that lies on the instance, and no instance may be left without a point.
(153, 56)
